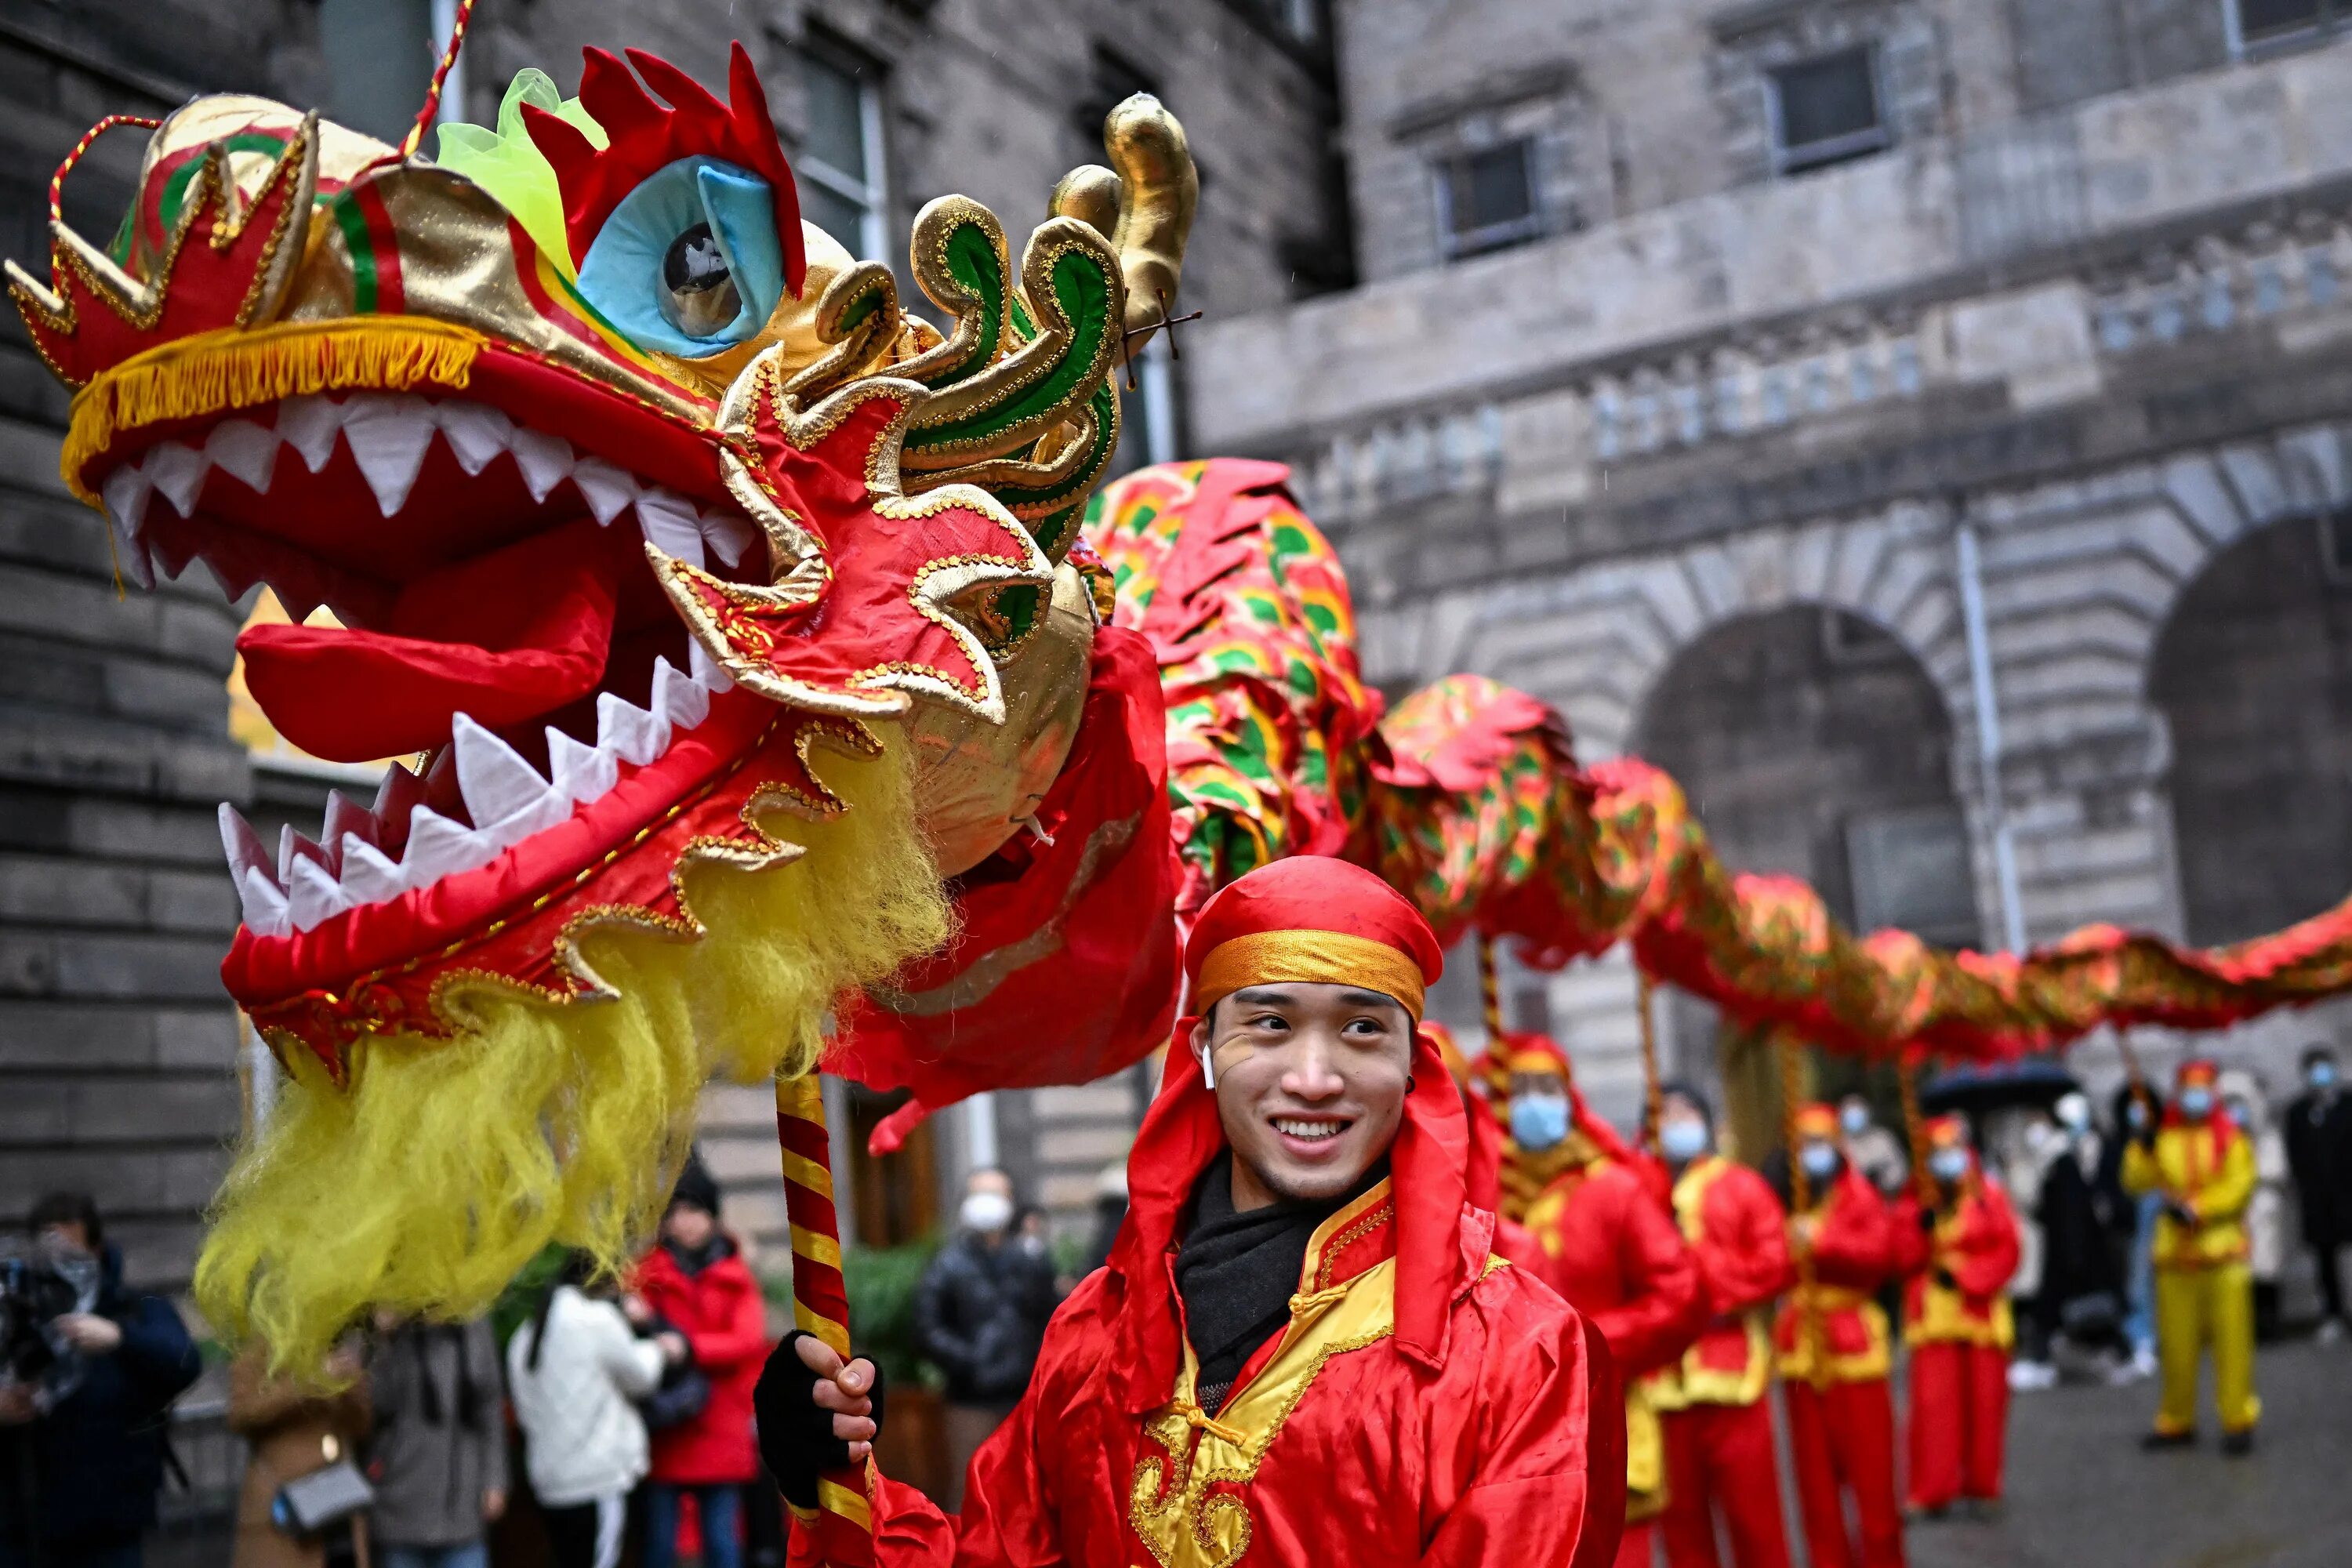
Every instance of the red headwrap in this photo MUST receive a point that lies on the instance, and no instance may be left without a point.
(1308, 896)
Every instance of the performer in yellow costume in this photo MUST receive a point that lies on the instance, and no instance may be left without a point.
(2203, 1165)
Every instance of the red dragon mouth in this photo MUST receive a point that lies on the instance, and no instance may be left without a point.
(499, 616)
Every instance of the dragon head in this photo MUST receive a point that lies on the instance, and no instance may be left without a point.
(658, 532)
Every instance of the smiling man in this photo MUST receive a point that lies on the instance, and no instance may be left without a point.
(1303, 1351)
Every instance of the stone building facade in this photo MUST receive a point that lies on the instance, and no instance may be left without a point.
(119, 1054)
(1921, 425)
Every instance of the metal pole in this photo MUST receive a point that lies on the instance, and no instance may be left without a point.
(1988, 706)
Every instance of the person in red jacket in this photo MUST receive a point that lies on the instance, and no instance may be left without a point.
(1718, 1423)
(1834, 1348)
(1958, 1251)
(1607, 1243)
(1303, 1351)
(696, 1282)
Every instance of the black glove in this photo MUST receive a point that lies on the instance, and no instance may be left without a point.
(1927, 1219)
(1944, 1280)
(795, 1432)
(2182, 1215)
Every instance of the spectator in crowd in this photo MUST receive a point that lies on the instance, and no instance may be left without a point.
(2319, 1154)
(82, 1436)
(438, 1455)
(2080, 1300)
(1110, 1212)
(2250, 1107)
(976, 1318)
(575, 1370)
(1876, 1152)
(2135, 1113)
(697, 1284)
(292, 1431)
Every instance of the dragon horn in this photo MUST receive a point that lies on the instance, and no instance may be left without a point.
(1143, 203)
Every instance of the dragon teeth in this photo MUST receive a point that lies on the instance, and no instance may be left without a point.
(304, 883)
(308, 425)
(496, 781)
(264, 902)
(476, 433)
(388, 436)
(178, 470)
(246, 451)
(543, 460)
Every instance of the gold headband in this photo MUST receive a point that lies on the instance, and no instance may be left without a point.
(1309, 957)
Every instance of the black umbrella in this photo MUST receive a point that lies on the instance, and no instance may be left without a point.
(1977, 1092)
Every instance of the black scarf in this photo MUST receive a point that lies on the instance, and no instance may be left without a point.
(1237, 1272)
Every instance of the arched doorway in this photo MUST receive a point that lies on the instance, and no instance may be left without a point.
(2253, 674)
(1810, 741)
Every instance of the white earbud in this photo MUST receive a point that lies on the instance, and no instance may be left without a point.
(1208, 1068)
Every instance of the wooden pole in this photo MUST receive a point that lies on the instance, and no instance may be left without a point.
(1654, 1096)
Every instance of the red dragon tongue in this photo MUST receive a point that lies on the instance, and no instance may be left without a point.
(504, 638)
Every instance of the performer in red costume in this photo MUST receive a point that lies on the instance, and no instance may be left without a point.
(1718, 1424)
(1484, 1177)
(1303, 1351)
(1607, 1243)
(1835, 1355)
(1959, 1253)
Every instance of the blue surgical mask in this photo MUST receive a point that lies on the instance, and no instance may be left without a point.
(2197, 1104)
(2323, 1075)
(1948, 1165)
(1538, 1120)
(1820, 1161)
(1855, 1119)
(2135, 1112)
(1683, 1142)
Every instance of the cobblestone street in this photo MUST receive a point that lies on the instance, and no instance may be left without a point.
(2082, 1495)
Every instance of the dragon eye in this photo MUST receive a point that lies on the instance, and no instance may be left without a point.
(699, 296)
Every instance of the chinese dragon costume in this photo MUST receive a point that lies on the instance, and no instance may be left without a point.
(783, 690)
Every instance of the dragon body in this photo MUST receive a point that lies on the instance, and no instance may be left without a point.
(778, 693)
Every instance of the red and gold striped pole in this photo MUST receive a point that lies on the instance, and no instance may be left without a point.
(1490, 995)
(843, 1521)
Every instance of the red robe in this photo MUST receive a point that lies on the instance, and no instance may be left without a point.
(1429, 1404)
(1719, 1425)
(1835, 1357)
(1960, 1336)
(1608, 1245)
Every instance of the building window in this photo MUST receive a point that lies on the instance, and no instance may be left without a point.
(1487, 199)
(2254, 24)
(840, 162)
(1909, 869)
(1826, 110)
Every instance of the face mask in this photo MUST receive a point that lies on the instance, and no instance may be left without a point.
(1820, 1161)
(1683, 1142)
(1948, 1165)
(2322, 1075)
(986, 1211)
(2135, 1112)
(2197, 1104)
(1538, 1120)
(1855, 1120)
(2074, 1113)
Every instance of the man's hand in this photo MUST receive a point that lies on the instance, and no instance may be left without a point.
(674, 1348)
(635, 1308)
(494, 1506)
(1800, 1230)
(2182, 1215)
(816, 1413)
(89, 1333)
(17, 1406)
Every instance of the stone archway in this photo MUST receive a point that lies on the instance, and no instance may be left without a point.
(1811, 741)
(2253, 674)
